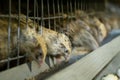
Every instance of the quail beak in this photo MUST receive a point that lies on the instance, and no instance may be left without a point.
(67, 57)
(39, 61)
(49, 61)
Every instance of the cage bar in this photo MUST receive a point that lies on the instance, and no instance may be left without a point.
(9, 34)
(75, 6)
(11, 59)
(37, 12)
(54, 15)
(71, 9)
(34, 13)
(27, 15)
(81, 5)
(68, 7)
(48, 8)
(58, 7)
(18, 34)
(86, 5)
(78, 4)
(62, 7)
(42, 15)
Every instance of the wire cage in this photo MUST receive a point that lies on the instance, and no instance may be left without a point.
(47, 13)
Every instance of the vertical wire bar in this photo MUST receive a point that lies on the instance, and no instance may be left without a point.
(48, 6)
(54, 14)
(9, 34)
(75, 6)
(91, 6)
(58, 6)
(18, 34)
(42, 12)
(88, 5)
(34, 13)
(37, 15)
(81, 5)
(102, 8)
(62, 7)
(95, 5)
(27, 14)
(85, 3)
(58, 9)
(71, 9)
(68, 10)
(78, 4)
(105, 3)
(100, 5)
(67, 7)
(62, 11)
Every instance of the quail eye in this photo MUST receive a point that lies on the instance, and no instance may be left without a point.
(37, 56)
(66, 51)
(40, 54)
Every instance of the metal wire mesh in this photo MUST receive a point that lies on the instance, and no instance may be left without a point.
(45, 12)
